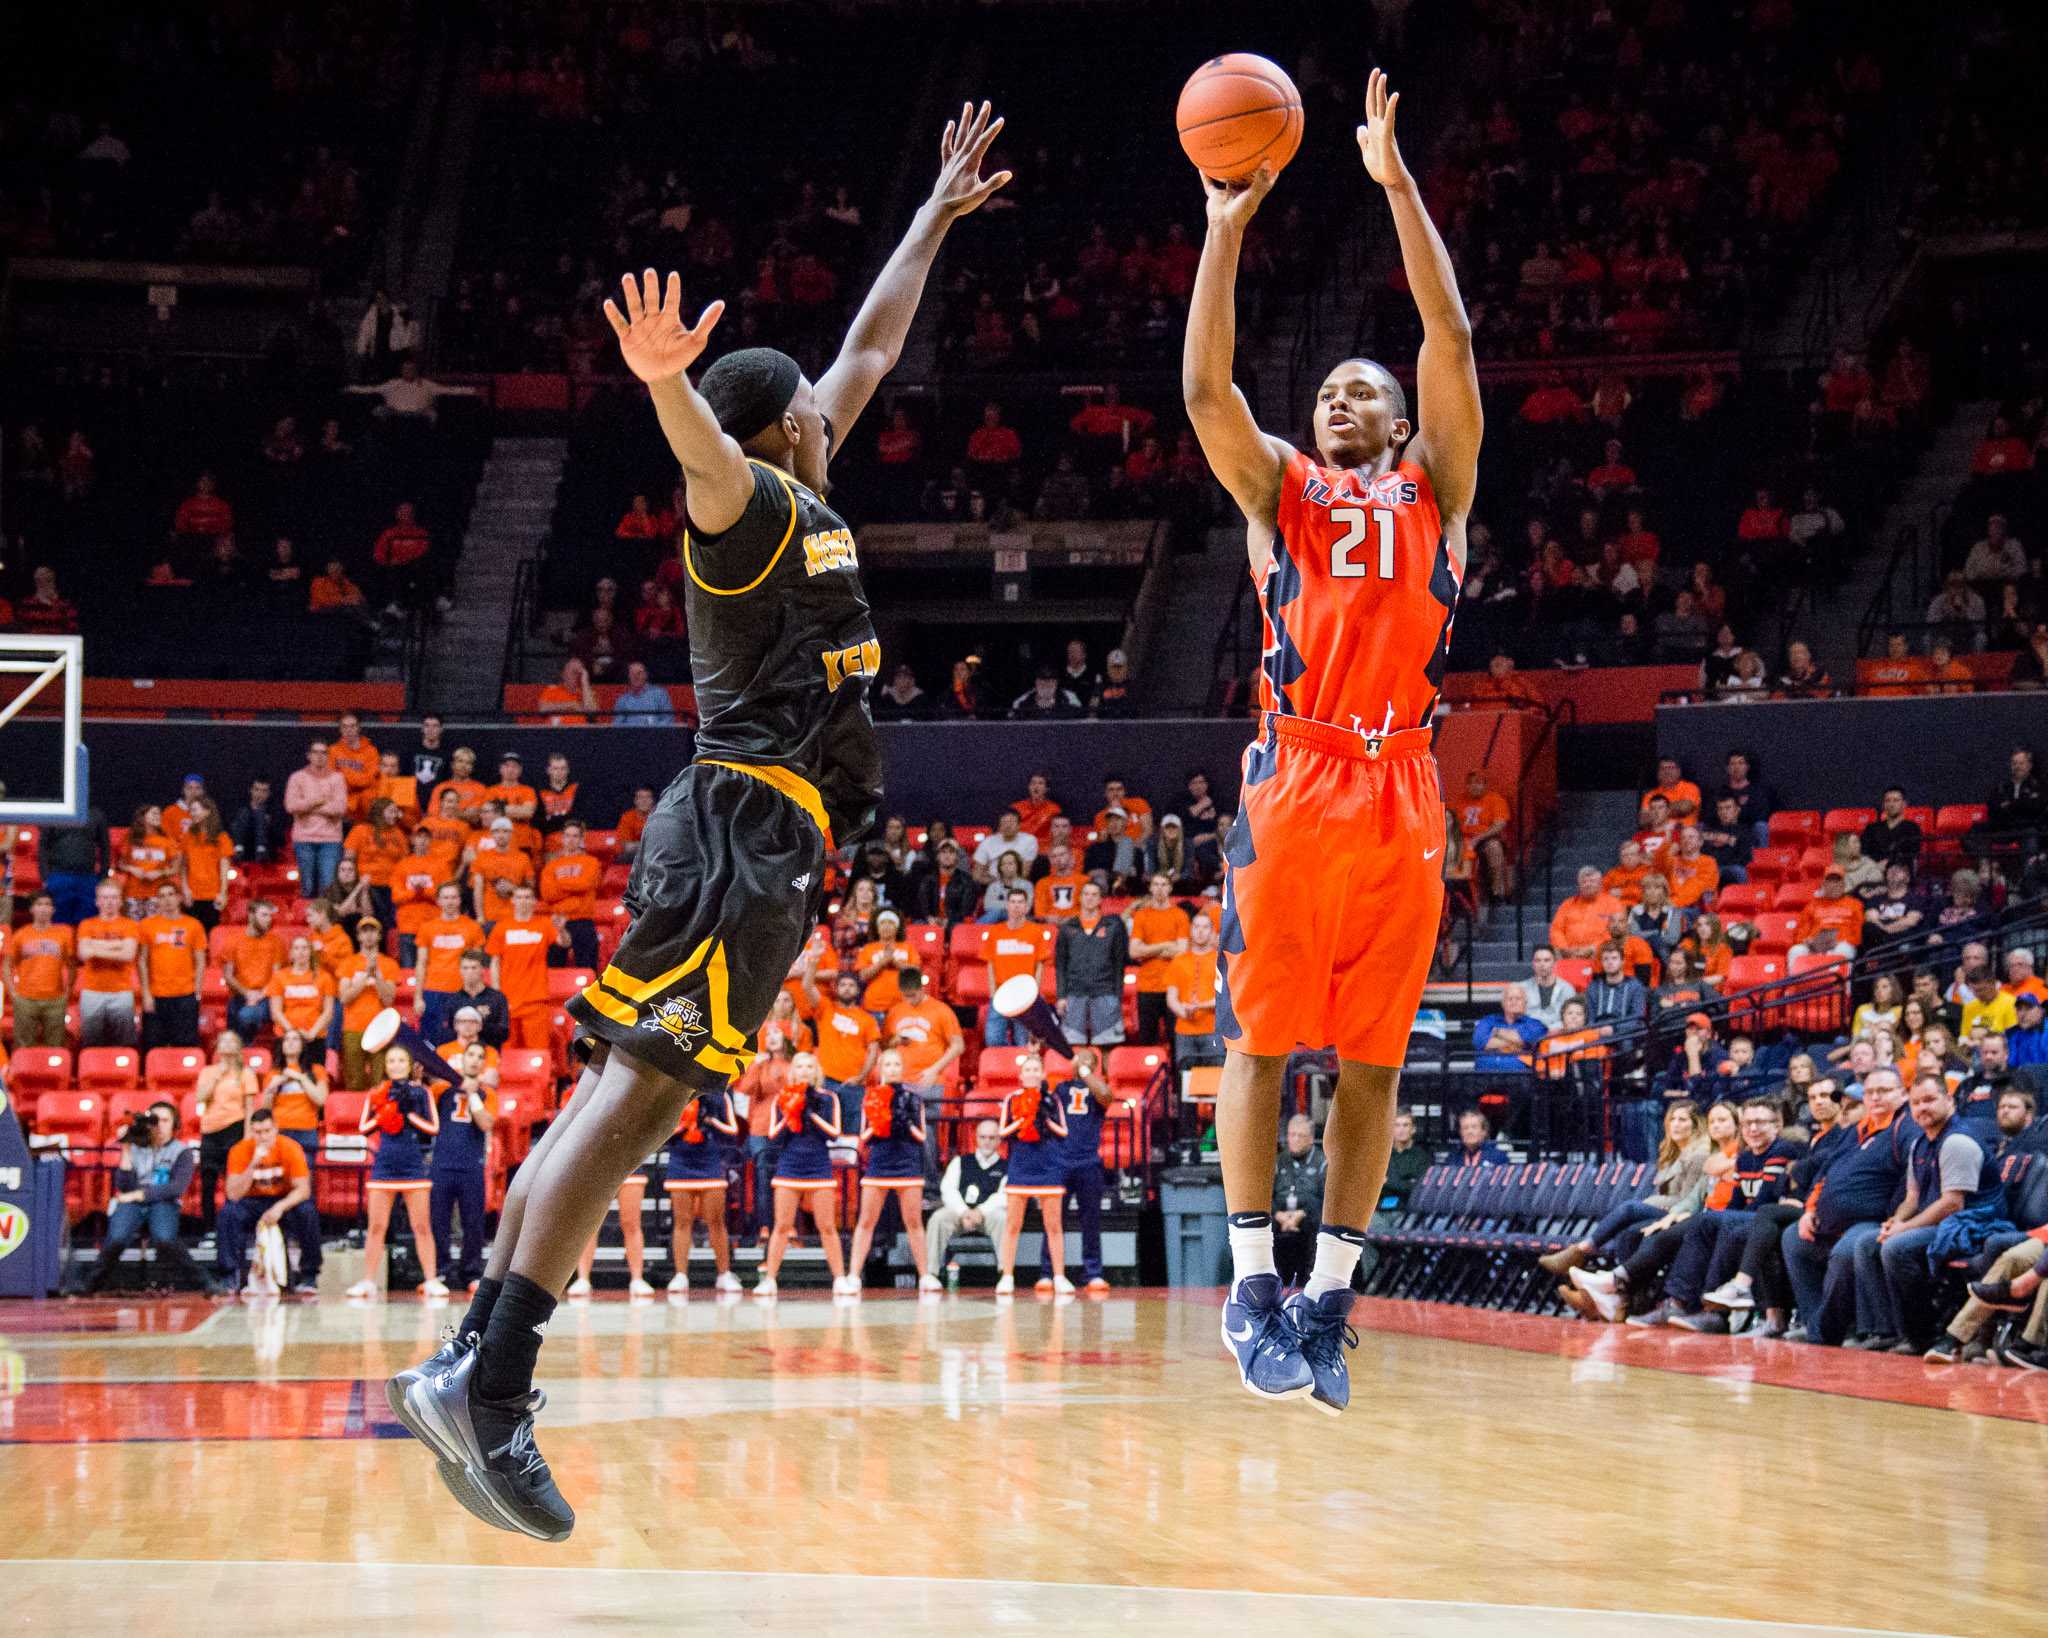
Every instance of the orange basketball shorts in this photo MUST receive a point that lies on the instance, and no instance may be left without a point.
(1333, 892)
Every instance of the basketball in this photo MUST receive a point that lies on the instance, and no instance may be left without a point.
(1236, 113)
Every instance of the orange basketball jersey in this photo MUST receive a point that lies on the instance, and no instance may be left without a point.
(1358, 599)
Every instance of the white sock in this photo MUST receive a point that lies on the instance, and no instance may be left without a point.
(1251, 1249)
(1336, 1261)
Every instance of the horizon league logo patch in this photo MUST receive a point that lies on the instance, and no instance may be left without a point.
(679, 1018)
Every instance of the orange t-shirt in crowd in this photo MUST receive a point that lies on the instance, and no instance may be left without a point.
(469, 793)
(921, 1031)
(107, 976)
(453, 1051)
(175, 948)
(509, 794)
(253, 957)
(1678, 792)
(444, 941)
(403, 791)
(378, 853)
(1892, 679)
(283, 1169)
(1151, 925)
(39, 957)
(885, 989)
(1010, 952)
(295, 1109)
(360, 770)
(1036, 817)
(448, 839)
(844, 1036)
(1474, 817)
(1136, 809)
(1844, 915)
(522, 951)
(228, 1096)
(356, 1014)
(631, 827)
(561, 705)
(148, 863)
(1192, 975)
(332, 949)
(206, 864)
(1625, 884)
(568, 885)
(413, 886)
(1058, 897)
(302, 995)
(1579, 925)
(1691, 879)
(493, 865)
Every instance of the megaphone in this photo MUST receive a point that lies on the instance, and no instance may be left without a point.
(387, 1029)
(1018, 998)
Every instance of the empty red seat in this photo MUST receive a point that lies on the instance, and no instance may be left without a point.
(1837, 820)
(109, 1069)
(1924, 818)
(1956, 818)
(343, 1113)
(173, 1070)
(1813, 861)
(1131, 1070)
(1794, 827)
(1575, 971)
(615, 879)
(970, 985)
(928, 940)
(529, 1068)
(1771, 865)
(259, 1060)
(1740, 901)
(33, 1071)
(564, 982)
(1774, 929)
(603, 843)
(966, 941)
(78, 1117)
(1792, 896)
(1746, 972)
(123, 1107)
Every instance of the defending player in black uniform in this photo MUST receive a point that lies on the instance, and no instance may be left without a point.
(725, 886)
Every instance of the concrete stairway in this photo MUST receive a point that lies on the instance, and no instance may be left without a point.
(1589, 826)
(515, 502)
(1180, 647)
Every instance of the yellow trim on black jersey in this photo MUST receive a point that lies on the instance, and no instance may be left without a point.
(792, 785)
(741, 591)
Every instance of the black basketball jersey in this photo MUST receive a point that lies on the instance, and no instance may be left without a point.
(783, 648)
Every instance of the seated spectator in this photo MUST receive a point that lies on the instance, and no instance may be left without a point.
(643, 703)
(640, 523)
(2021, 981)
(2001, 453)
(1580, 924)
(1860, 875)
(1755, 801)
(963, 696)
(1849, 1197)
(331, 590)
(45, 611)
(401, 552)
(1624, 882)
(2030, 669)
(1655, 919)
(410, 396)
(1996, 559)
(1955, 1201)
(1988, 1005)
(153, 1175)
(1297, 1201)
(1009, 836)
(1832, 907)
(900, 699)
(269, 1184)
(1502, 1041)
(1816, 529)
(1475, 1142)
(570, 700)
(1115, 697)
(1683, 990)
(1482, 826)
(1897, 910)
(971, 1196)
(1958, 613)
(1689, 872)
(945, 893)
(1762, 520)
(1045, 700)
(1543, 992)
(1117, 858)
(1803, 678)
(2013, 1284)
(1615, 997)
(1064, 494)
(992, 444)
(1681, 795)
(1727, 840)
(2017, 807)
(1682, 1156)
(203, 513)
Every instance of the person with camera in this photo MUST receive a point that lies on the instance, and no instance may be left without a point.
(156, 1169)
(270, 1185)
(296, 1094)
(468, 1111)
(401, 1110)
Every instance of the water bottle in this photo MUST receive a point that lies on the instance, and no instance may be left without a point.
(952, 1277)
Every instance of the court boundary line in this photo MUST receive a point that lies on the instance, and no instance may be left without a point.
(1733, 1621)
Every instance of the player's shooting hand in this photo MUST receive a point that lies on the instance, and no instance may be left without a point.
(1232, 204)
(652, 339)
(1376, 144)
(961, 188)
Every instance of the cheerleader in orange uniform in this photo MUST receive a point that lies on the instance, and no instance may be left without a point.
(803, 1173)
(892, 1127)
(401, 1112)
(696, 1185)
(1036, 1130)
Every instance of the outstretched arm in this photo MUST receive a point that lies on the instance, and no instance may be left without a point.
(1446, 380)
(875, 341)
(1246, 462)
(718, 483)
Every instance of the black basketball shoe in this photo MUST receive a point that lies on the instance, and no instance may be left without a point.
(488, 1458)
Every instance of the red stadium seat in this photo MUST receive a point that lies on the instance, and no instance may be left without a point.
(966, 941)
(109, 1069)
(528, 1068)
(518, 1110)
(1740, 901)
(995, 1075)
(1792, 896)
(1924, 818)
(343, 1113)
(564, 982)
(1770, 865)
(603, 843)
(1794, 827)
(1813, 861)
(1746, 972)
(80, 1118)
(188, 1117)
(260, 1061)
(928, 940)
(1821, 1006)
(614, 880)
(1774, 930)
(1957, 818)
(123, 1107)
(1131, 1069)
(1837, 820)
(970, 987)
(173, 1070)
(36, 1070)
(1575, 971)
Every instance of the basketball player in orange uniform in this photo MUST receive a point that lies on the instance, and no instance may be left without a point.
(1334, 885)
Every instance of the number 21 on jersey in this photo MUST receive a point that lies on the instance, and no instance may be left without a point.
(1349, 552)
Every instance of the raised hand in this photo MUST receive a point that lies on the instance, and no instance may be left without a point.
(1376, 144)
(652, 339)
(1231, 204)
(961, 187)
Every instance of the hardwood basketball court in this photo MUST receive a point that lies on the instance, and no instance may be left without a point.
(896, 1466)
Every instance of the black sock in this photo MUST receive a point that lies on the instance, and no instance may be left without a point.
(484, 1299)
(512, 1339)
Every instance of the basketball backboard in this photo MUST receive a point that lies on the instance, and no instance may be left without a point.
(43, 772)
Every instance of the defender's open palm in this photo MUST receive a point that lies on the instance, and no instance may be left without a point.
(652, 338)
(961, 187)
(1376, 144)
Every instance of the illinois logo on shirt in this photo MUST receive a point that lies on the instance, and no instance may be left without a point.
(680, 1019)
